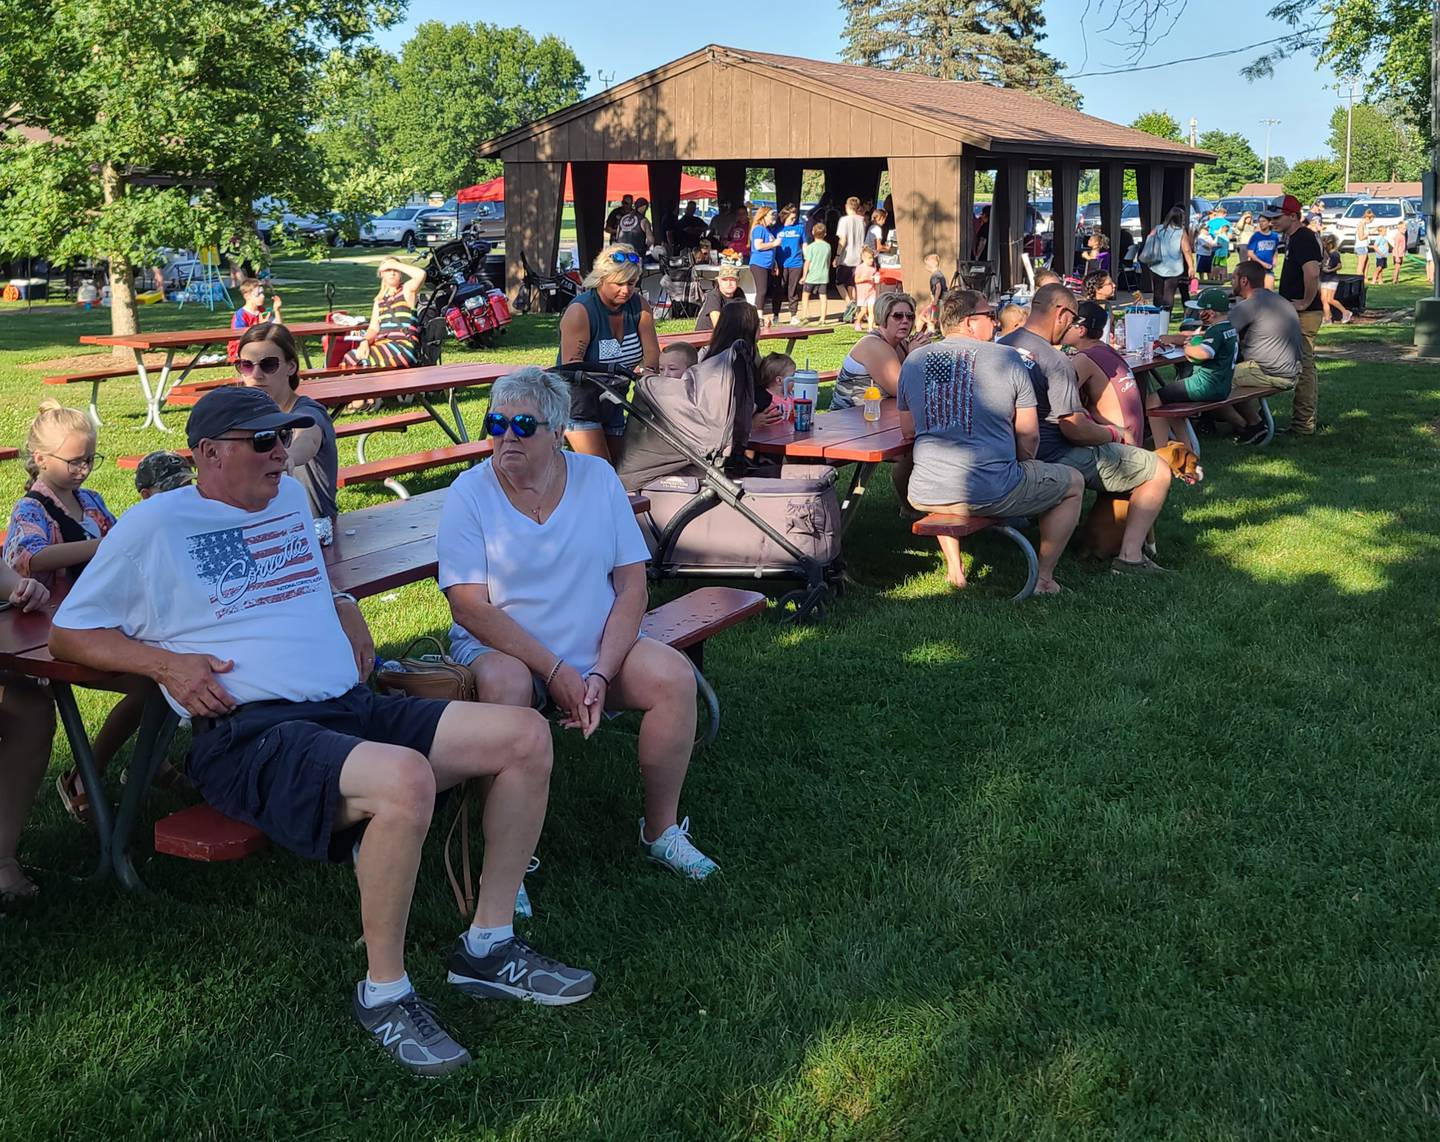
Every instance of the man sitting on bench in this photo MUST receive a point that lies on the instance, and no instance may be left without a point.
(1068, 435)
(218, 592)
(544, 567)
(970, 408)
(1271, 346)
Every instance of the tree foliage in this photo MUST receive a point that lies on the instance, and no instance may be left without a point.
(1312, 177)
(990, 41)
(1383, 145)
(1236, 164)
(1162, 125)
(165, 121)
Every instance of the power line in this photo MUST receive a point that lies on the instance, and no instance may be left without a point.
(1187, 59)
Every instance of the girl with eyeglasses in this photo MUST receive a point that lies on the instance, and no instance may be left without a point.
(55, 530)
(267, 358)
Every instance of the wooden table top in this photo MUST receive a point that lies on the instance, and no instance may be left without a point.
(333, 391)
(181, 338)
(832, 429)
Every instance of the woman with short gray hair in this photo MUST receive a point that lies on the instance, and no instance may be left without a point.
(544, 568)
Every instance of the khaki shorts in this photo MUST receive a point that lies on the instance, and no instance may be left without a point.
(1041, 487)
(1250, 375)
(1112, 467)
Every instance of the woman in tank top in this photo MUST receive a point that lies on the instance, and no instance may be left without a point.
(876, 358)
(392, 340)
(1107, 385)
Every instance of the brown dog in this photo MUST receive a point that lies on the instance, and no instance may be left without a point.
(1104, 527)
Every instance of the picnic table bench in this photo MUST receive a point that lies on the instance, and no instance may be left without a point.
(170, 342)
(376, 549)
(1184, 410)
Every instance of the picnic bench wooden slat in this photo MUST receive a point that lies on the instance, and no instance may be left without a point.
(392, 466)
(118, 372)
(1179, 409)
(9, 453)
(184, 338)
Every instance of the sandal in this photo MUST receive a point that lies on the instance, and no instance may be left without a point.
(74, 798)
(21, 895)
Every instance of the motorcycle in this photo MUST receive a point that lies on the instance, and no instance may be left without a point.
(462, 299)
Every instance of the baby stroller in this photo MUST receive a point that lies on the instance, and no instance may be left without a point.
(712, 513)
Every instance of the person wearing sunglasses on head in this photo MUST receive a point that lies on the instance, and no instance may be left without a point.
(268, 360)
(219, 592)
(1068, 434)
(55, 532)
(537, 629)
(392, 339)
(610, 323)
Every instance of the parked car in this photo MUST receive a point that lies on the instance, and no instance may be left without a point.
(1332, 206)
(485, 220)
(327, 228)
(1418, 202)
(1235, 206)
(1045, 207)
(396, 227)
(1386, 211)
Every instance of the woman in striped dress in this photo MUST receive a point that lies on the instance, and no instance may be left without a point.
(392, 340)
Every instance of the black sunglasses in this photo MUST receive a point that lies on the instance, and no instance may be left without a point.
(622, 258)
(267, 365)
(523, 423)
(264, 440)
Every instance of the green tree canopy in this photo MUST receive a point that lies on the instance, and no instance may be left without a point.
(456, 85)
(1383, 145)
(1236, 164)
(1162, 125)
(165, 122)
(1312, 177)
(990, 41)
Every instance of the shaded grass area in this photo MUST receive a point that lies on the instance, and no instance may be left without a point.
(1154, 860)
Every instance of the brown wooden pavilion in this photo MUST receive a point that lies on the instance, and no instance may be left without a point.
(739, 109)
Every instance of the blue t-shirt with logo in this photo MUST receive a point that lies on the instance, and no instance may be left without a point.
(792, 245)
(1263, 246)
(764, 259)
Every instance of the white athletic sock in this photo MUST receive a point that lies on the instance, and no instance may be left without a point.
(378, 994)
(479, 941)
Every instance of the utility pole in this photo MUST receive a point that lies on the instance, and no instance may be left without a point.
(1349, 89)
(1427, 309)
(1194, 128)
(1268, 124)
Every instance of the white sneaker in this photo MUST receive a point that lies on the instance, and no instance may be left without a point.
(674, 850)
(794, 321)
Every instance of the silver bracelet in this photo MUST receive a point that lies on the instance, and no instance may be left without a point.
(554, 670)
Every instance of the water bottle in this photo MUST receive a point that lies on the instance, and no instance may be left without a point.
(872, 398)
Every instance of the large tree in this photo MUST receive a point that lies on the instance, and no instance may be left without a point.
(1310, 178)
(1236, 163)
(456, 85)
(990, 41)
(159, 124)
(1383, 146)
(1162, 125)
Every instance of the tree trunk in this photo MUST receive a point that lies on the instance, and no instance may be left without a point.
(124, 312)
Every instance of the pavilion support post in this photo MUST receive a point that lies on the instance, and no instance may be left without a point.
(965, 248)
(1112, 201)
(1175, 189)
(588, 182)
(1150, 187)
(789, 176)
(928, 215)
(664, 195)
(534, 196)
(1066, 188)
(730, 183)
(1007, 221)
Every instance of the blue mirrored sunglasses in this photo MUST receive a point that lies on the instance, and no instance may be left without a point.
(623, 258)
(524, 424)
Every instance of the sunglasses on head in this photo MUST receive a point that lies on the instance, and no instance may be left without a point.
(269, 366)
(621, 259)
(264, 440)
(523, 423)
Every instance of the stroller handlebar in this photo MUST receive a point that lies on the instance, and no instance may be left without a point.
(591, 368)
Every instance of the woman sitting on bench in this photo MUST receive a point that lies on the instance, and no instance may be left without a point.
(544, 567)
(392, 339)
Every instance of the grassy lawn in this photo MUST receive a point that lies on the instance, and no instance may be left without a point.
(1154, 860)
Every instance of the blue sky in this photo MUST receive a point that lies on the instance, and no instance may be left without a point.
(1300, 95)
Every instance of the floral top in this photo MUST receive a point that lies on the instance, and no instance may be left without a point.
(32, 529)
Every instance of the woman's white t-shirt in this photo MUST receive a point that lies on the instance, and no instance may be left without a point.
(553, 578)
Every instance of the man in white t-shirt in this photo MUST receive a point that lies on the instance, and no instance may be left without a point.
(544, 566)
(219, 593)
(849, 241)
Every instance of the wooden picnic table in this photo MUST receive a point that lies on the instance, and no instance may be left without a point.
(170, 342)
(790, 333)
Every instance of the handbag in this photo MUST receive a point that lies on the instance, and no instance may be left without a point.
(1150, 251)
(439, 676)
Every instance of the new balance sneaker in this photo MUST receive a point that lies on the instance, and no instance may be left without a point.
(410, 1033)
(515, 970)
(674, 850)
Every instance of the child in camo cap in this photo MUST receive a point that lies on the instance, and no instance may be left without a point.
(161, 472)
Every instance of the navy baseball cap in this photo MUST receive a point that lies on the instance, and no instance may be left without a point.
(236, 408)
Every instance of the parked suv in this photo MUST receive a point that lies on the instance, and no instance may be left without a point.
(444, 224)
(1234, 207)
(1332, 206)
(1386, 211)
(394, 228)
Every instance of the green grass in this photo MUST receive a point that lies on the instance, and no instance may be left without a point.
(1156, 860)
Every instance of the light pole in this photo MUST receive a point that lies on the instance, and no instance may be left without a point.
(1268, 124)
(1427, 309)
(1348, 89)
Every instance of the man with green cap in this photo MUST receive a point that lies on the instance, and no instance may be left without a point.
(1210, 352)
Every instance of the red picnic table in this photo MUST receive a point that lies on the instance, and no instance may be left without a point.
(790, 333)
(172, 341)
(840, 437)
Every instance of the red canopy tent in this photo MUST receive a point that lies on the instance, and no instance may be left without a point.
(624, 178)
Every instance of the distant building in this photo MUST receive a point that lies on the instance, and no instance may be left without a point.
(1384, 189)
(1260, 190)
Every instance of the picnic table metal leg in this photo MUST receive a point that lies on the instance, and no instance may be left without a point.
(305, 351)
(1032, 562)
(152, 742)
(457, 434)
(1269, 422)
(95, 403)
(855, 493)
(166, 385)
(74, 726)
(153, 396)
(1190, 435)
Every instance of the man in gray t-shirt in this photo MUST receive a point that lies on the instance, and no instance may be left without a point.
(970, 407)
(1271, 347)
